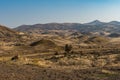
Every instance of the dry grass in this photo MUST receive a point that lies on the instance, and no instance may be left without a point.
(39, 61)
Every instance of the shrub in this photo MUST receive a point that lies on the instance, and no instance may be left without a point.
(68, 48)
(15, 57)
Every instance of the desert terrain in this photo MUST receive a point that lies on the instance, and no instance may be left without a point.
(63, 52)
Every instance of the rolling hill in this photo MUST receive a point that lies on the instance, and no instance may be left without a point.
(94, 26)
(7, 33)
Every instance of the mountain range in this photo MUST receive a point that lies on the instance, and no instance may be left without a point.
(94, 26)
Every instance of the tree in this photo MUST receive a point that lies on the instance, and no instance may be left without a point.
(68, 48)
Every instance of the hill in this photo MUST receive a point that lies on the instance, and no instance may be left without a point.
(43, 42)
(6, 32)
(97, 39)
(44, 45)
(94, 26)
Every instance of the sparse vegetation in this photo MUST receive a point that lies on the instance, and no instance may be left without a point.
(15, 58)
(67, 49)
(54, 57)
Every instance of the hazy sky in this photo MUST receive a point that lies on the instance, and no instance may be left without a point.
(17, 12)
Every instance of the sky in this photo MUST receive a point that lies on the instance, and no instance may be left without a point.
(14, 13)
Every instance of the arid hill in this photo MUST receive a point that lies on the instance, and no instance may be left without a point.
(95, 26)
(6, 32)
(56, 51)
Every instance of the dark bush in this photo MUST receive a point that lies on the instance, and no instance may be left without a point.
(15, 57)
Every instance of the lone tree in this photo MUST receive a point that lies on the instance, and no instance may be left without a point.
(67, 48)
(15, 58)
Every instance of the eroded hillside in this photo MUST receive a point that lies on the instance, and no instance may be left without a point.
(59, 55)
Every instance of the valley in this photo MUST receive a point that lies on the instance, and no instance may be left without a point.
(68, 51)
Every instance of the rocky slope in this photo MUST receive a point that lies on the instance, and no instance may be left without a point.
(6, 32)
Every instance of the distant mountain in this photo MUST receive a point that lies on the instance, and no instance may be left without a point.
(114, 22)
(49, 26)
(96, 22)
(94, 26)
